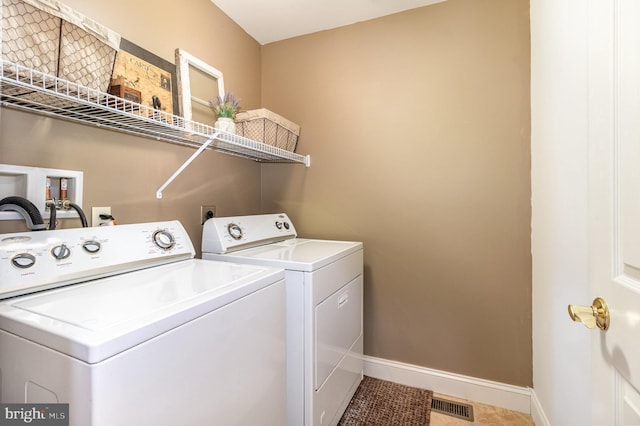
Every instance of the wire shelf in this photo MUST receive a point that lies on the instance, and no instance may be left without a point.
(28, 89)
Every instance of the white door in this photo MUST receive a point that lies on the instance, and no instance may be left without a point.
(614, 207)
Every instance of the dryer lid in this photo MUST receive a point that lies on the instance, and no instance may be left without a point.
(297, 254)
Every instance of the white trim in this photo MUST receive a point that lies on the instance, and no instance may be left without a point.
(515, 398)
(537, 413)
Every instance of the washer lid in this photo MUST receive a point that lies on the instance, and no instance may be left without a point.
(298, 254)
(98, 319)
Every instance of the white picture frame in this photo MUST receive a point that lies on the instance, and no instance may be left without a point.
(184, 62)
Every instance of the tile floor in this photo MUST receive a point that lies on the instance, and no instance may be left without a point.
(483, 415)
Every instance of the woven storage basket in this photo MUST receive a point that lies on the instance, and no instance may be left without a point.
(268, 127)
(52, 38)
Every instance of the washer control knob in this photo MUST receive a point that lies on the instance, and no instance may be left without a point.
(286, 225)
(61, 252)
(23, 260)
(91, 246)
(234, 230)
(164, 239)
(278, 224)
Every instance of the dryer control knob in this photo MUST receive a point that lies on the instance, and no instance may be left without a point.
(234, 230)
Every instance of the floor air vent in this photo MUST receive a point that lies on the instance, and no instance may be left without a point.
(451, 408)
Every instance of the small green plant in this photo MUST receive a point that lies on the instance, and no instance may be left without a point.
(227, 106)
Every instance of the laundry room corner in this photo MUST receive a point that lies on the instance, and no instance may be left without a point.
(418, 125)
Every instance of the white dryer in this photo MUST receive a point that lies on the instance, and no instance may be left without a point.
(324, 290)
(128, 329)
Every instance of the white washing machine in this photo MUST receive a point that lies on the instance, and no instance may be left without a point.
(127, 328)
(324, 290)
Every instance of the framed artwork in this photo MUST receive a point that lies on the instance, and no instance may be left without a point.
(154, 77)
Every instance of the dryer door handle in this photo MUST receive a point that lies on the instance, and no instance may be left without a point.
(343, 299)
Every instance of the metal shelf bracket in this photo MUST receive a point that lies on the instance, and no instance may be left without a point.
(185, 164)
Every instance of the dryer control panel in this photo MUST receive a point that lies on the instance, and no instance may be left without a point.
(226, 234)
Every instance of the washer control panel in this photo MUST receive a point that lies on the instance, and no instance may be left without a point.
(34, 261)
(226, 234)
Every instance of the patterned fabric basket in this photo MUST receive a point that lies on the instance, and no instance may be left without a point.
(268, 127)
(54, 39)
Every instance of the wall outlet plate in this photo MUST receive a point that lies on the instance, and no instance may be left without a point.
(95, 215)
(207, 212)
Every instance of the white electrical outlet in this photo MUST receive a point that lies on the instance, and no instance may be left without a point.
(95, 215)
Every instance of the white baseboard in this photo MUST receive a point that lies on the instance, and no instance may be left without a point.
(537, 413)
(511, 397)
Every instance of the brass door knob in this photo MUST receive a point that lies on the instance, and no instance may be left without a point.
(591, 316)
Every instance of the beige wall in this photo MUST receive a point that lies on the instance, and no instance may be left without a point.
(418, 127)
(123, 171)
